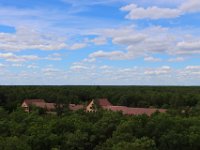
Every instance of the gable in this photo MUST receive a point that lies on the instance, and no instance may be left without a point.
(89, 107)
(24, 104)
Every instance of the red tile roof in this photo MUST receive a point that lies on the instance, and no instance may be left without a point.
(103, 102)
(31, 101)
(134, 111)
(75, 107)
(49, 106)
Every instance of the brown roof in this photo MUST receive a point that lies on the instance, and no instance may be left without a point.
(40, 103)
(134, 111)
(52, 106)
(103, 102)
(31, 101)
(75, 107)
(48, 106)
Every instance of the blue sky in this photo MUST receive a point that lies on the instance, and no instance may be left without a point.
(99, 42)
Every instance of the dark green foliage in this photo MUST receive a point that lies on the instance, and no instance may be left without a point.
(101, 130)
(179, 129)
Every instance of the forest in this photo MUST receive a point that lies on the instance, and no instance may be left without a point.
(178, 129)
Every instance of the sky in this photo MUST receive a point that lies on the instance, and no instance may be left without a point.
(99, 42)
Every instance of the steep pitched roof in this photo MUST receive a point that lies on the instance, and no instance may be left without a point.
(103, 102)
(134, 111)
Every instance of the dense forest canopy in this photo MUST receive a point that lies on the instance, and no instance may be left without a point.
(101, 130)
(178, 129)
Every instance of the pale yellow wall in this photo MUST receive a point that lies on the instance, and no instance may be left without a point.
(25, 106)
(89, 106)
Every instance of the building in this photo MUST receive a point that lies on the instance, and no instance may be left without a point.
(28, 102)
(134, 111)
(92, 106)
(105, 104)
(75, 107)
(40, 103)
(95, 103)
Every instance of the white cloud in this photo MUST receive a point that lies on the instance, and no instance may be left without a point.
(17, 65)
(158, 71)
(99, 41)
(154, 12)
(52, 72)
(164, 75)
(78, 67)
(193, 68)
(89, 60)
(54, 56)
(190, 6)
(114, 55)
(131, 39)
(104, 67)
(80, 73)
(15, 58)
(153, 59)
(77, 46)
(194, 45)
(2, 65)
(32, 66)
(192, 72)
(177, 59)
(12, 15)
(11, 57)
(147, 42)
(188, 47)
(26, 39)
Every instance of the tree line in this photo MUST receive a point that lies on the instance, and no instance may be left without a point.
(132, 96)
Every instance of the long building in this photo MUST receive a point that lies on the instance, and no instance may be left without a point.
(93, 106)
(49, 107)
(105, 104)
